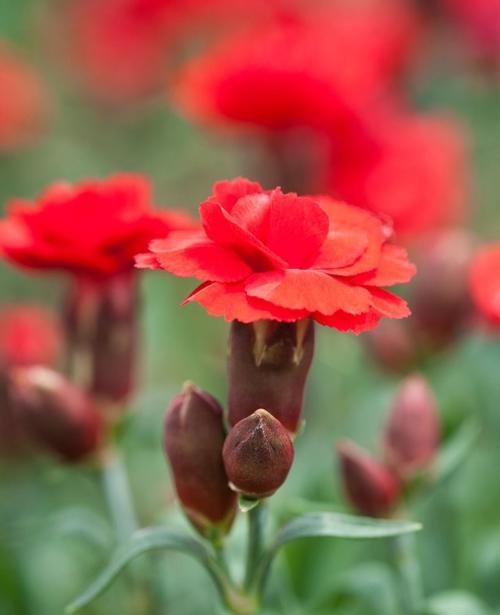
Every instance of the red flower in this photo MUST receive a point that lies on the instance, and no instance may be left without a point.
(268, 255)
(95, 227)
(485, 282)
(22, 103)
(28, 336)
(313, 69)
(410, 168)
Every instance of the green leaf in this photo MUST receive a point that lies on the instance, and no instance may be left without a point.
(455, 452)
(143, 541)
(81, 523)
(456, 603)
(332, 525)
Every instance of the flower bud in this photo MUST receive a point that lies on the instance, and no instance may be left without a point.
(393, 345)
(12, 440)
(54, 413)
(268, 366)
(193, 438)
(258, 454)
(370, 487)
(411, 434)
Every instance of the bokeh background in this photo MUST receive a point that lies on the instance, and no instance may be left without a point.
(54, 534)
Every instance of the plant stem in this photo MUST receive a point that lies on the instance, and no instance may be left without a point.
(256, 518)
(405, 556)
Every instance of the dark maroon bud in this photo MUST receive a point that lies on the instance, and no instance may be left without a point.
(258, 454)
(54, 413)
(370, 487)
(441, 305)
(411, 435)
(12, 440)
(194, 437)
(393, 345)
(101, 320)
(268, 366)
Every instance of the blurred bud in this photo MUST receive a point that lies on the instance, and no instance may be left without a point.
(370, 487)
(28, 336)
(54, 413)
(440, 304)
(194, 437)
(411, 435)
(101, 320)
(268, 366)
(12, 441)
(258, 455)
(392, 345)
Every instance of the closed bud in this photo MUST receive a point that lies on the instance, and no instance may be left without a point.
(370, 486)
(258, 454)
(268, 366)
(54, 413)
(411, 434)
(194, 437)
(393, 345)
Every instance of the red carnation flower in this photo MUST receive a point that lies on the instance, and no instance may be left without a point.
(485, 282)
(95, 227)
(268, 255)
(410, 168)
(22, 102)
(313, 69)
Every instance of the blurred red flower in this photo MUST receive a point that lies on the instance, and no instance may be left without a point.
(312, 68)
(480, 23)
(22, 101)
(268, 255)
(29, 335)
(95, 227)
(485, 282)
(408, 167)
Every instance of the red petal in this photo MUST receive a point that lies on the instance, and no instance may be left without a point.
(388, 304)
(309, 290)
(228, 192)
(193, 255)
(341, 248)
(147, 261)
(231, 302)
(298, 227)
(393, 268)
(349, 322)
(222, 228)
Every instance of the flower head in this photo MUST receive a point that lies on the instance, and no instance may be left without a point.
(269, 255)
(93, 228)
(484, 281)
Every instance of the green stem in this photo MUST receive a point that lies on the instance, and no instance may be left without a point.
(256, 519)
(408, 566)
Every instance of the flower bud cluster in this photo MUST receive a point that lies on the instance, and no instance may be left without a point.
(410, 442)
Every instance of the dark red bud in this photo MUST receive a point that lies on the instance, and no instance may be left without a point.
(393, 345)
(258, 454)
(101, 320)
(194, 437)
(268, 366)
(411, 435)
(54, 413)
(370, 487)
(12, 439)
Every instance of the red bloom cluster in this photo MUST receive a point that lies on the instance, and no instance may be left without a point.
(485, 282)
(303, 70)
(408, 167)
(268, 255)
(93, 228)
(22, 102)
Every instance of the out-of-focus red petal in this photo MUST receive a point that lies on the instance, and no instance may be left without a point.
(147, 261)
(314, 291)
(231, 302)
(484, 280)
(225, 231)
(349, 322)
(388, 304)
(192, 255)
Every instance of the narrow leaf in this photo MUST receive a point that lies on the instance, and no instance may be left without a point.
(143, 541)
(455, 452)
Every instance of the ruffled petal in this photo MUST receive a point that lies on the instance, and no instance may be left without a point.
(147, 261)
(388, 304)
(341, 248)
(393, 268)
(349, 322)
(193, 255)
(309, 290)
(231, 302)
(227, 192)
